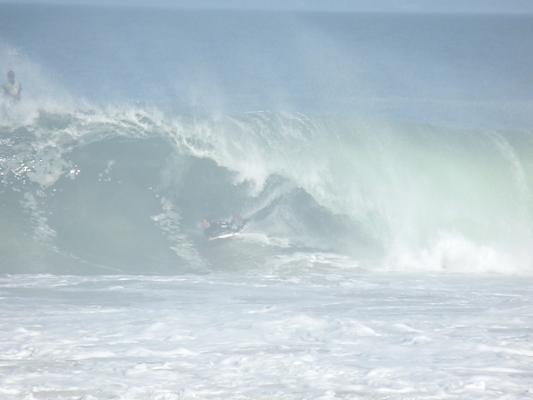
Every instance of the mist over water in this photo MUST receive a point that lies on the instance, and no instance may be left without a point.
(378, 141)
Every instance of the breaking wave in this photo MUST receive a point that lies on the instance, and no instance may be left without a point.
(123, 188)
(363, 156)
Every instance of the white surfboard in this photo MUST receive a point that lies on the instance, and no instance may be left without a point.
(224, 236)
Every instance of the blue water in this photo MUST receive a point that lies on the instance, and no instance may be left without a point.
(263, 59)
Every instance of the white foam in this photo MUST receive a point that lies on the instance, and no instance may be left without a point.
(457, 254)
(252, 336)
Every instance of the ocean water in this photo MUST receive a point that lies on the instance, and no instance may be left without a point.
(269, 336)
(384, 165)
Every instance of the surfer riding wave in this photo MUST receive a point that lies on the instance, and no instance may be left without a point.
(218, 229)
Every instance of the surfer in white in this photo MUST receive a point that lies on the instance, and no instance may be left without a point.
(12, 89)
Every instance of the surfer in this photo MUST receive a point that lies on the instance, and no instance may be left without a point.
(216, 228)
(12, 89)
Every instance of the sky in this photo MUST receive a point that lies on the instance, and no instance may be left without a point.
(422, 6)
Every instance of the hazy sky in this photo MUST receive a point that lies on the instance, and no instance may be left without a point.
(454, 6)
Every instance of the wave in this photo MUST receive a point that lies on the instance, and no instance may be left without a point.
(123, 188)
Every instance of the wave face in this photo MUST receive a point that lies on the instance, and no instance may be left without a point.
(372, 171)
(123, 190)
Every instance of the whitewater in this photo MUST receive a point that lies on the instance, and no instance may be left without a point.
(383, 164)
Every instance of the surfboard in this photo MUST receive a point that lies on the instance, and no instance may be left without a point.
(224, 236)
